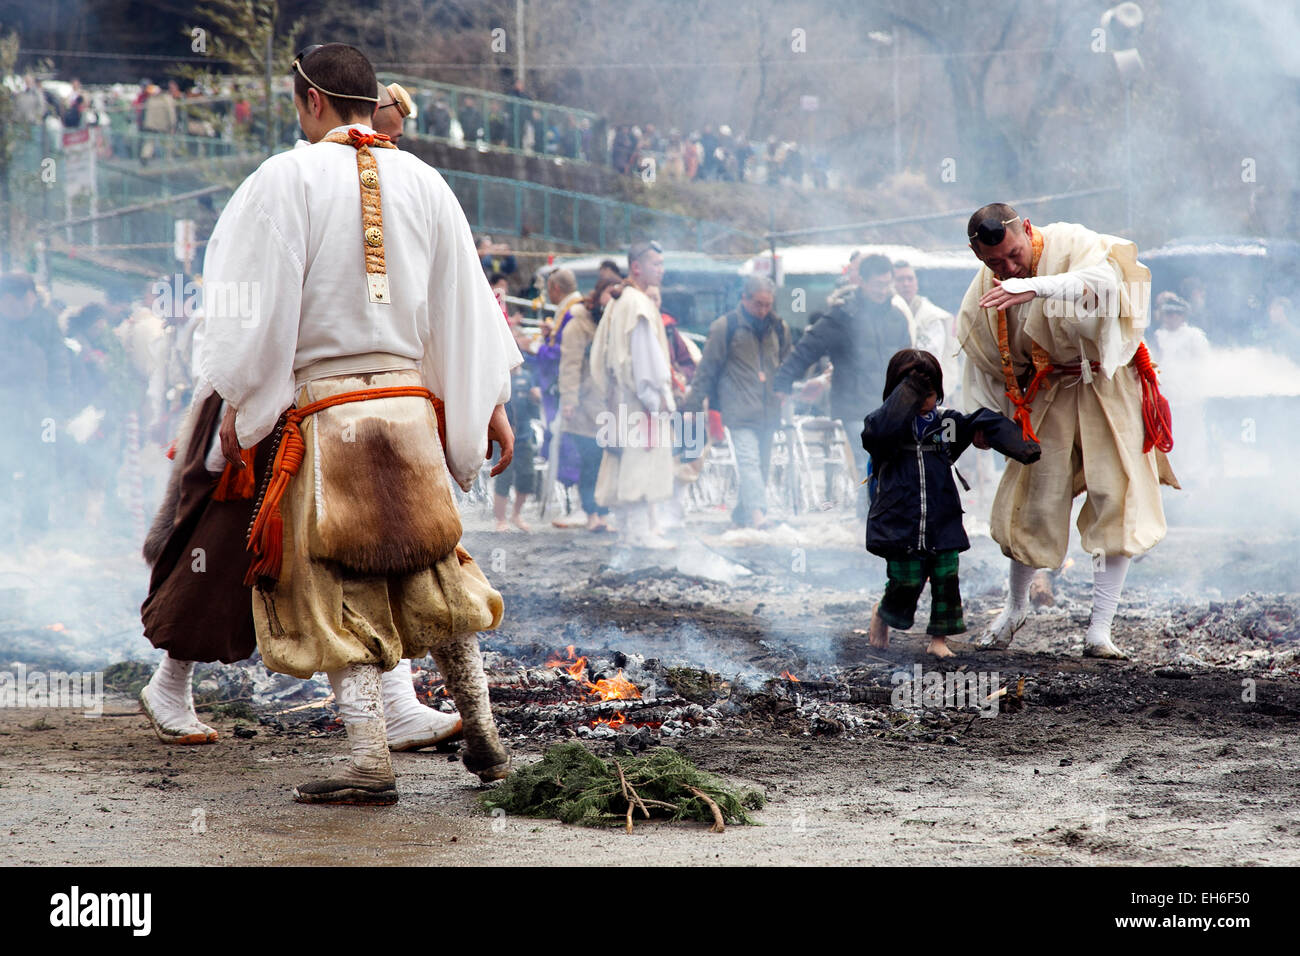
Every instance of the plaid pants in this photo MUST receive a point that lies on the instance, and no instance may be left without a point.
(907, 577)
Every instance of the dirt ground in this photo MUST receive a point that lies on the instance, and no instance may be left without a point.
(1187, 754)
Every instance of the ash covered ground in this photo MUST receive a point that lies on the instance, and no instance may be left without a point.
(1185, 754)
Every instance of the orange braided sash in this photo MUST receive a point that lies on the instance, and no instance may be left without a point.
(266, 536)
(1157, 421)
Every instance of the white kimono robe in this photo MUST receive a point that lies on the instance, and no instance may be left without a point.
(630, 365)
(932, 331)
(285, 287)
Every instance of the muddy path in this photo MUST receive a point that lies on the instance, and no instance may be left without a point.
(1186, 754)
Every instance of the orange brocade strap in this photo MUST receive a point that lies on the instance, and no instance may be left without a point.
(358, 139)
(266, 537)
(1042, 363)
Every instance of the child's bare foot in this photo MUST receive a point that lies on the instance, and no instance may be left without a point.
(520, 523)
(938, 646)
(502, 526)
(878, 636)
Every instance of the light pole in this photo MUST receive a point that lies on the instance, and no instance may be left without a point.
(519, 43)
(891, 40)
(1123, 24)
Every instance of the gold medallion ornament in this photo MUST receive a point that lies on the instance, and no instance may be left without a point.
(372, 214)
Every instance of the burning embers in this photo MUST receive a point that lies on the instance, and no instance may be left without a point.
(607, 688)
(600, 695)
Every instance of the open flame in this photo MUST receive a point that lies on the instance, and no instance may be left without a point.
(607, 688)
(575, 667)
(614, 688)
(614, 723)
(786, 675)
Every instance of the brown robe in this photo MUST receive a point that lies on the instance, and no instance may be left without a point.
(199, 608)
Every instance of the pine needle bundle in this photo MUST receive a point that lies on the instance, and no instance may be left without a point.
(573, 785)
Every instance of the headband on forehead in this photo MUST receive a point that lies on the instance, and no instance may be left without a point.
(639, 249)
(297, 65)
(991, 231)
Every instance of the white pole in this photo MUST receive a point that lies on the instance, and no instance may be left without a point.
(898, 141)
(519, 41)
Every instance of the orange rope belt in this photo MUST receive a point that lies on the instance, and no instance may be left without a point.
(1157, 422)
(266, 534)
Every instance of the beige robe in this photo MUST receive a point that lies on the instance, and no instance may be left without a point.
(371, 571)
(577, 391)
(638, 462)
(340, 600)
(1091, 432)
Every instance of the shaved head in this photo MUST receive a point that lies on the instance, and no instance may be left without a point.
(388, 118)
(1002, 240)
(987, 221)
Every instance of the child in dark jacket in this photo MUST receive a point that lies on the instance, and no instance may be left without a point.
(915, 518)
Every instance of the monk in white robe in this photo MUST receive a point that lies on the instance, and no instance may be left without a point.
(932, 329)
(630, 364)
(1075, 305)
(342, 269)
(196, 616)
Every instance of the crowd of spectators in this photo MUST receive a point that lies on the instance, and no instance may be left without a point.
(89, 393)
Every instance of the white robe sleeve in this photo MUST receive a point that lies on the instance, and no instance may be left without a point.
(649, 367)
(982, 390)
(252, 294)
(1098, 319)
(470, 351)
(1064, 294)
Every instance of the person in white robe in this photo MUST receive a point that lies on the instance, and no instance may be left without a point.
(933, 329)
(340, 268)
(1185, 356)
(630, 364)
(168, 699)
(1075, 300)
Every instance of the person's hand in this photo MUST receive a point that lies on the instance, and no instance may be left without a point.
(979, 441)
(499, 431)
(999, 298)
(918, 380)
(535, 393)
(230, 440)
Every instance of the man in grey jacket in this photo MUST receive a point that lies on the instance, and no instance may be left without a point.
(744, 349)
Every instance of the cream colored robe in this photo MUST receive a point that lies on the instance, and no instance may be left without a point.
(931, 329)
(1091, 432)
(638, 462)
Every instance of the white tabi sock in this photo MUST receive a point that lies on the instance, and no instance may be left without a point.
(361, 708)
(1107, 585)
(357, 693)
(410, 723)
(169, 698)
(1014, 614)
